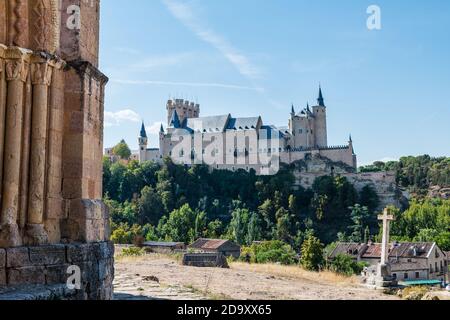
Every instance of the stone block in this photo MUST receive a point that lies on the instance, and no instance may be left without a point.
(55, 208)
(71, 188)
(2, 277)
(28, 275)
(85, 209)
(17, 257)
(48, 255)
(106, 250)
(2, 258)
(78, 253)
(105, 270)
(57, 274)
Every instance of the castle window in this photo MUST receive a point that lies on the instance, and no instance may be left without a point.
(300, 131)
(417, 275)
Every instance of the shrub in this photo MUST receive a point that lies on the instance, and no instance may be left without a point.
(133, 252)
(269, 252)
(344, 264)
(414, 293)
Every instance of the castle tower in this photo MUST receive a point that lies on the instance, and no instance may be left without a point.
(161, 140)
(143, 142)
(320, 122)
(185, 110)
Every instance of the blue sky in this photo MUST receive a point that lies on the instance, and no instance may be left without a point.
(389, 88)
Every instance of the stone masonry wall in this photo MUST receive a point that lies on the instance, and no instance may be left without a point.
(47, 265)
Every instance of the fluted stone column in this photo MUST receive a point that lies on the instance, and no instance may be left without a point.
(41, 73)
(17, 64)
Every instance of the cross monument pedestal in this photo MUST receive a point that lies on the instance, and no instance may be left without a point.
(383, 278)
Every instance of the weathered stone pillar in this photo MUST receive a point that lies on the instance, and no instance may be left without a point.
(2, 111)
(41, 73)
(17, 64)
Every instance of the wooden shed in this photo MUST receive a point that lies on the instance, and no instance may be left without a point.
(226, 247)
(164, 247)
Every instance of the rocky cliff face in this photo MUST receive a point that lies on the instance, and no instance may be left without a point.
(384, 183)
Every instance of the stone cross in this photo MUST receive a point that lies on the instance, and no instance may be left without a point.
(386, 218)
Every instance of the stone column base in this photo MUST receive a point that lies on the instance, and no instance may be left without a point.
(48, 266)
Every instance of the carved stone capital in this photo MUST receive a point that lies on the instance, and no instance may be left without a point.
(17, 64)
(41, 73)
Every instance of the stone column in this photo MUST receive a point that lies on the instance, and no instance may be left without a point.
(17, 63)
(2, 111)
(41, 73)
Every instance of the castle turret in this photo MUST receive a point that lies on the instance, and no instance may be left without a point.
(175, 120)
(320, 121)
(143, 142)
(162, 135)
(352, 150)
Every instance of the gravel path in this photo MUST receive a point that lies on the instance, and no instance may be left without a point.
(157, 277)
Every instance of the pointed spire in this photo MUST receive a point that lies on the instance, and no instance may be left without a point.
(143, 131)
(350, 138)
(293, 111)
(320, 100)
(161, 130)
(307, 107)
(175, 121)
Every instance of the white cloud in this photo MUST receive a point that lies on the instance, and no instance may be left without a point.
(117, 118)
(186, 84)
(154, 128)
(185, 14)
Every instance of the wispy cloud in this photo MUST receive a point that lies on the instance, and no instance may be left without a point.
(186, 84)
(184, 13)
(116, 118)
(157, 61)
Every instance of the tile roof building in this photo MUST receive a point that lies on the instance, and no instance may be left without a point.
(409, 260)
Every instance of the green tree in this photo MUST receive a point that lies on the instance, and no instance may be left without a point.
(359, 216)
(238, 227)
(312, 254)
(122, 150)
(254, 232)
(284, 225)
(182, 225)
(150, 208)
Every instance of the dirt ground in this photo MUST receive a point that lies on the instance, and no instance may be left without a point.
(161, 277)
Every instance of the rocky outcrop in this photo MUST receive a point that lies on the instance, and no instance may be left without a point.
(384, 183)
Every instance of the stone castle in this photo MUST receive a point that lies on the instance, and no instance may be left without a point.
(233, 143)
(52, 217)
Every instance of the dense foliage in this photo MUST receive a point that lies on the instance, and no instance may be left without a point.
(172, 202)
(425, 221)
(416, 173)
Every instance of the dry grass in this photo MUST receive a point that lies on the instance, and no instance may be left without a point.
(295, 272)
